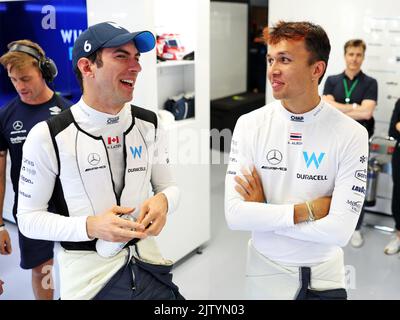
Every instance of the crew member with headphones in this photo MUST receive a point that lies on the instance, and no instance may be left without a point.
(30, 71)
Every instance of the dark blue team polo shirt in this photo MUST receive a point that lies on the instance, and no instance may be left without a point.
(367, 88)
(16, 120)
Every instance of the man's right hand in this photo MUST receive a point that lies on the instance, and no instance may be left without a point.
(109, 226)
(321, 207)
(5, 243)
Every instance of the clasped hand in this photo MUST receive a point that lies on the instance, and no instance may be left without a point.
(111, 227)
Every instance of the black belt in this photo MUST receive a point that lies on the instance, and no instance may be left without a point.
(89, 245)
(305, 293)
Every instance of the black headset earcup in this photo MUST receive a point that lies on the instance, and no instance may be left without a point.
(49, 69)
(46, 65)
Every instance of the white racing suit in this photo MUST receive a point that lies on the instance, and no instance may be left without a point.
(299, 157)
(65, 162)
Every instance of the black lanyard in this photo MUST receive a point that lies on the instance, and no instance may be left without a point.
(347, 91)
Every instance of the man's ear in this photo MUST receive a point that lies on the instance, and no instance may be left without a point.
(85, 67)
(319, 69)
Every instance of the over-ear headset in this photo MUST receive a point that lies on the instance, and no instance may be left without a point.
(46, 65)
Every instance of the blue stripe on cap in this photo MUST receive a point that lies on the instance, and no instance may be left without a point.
(145, 41)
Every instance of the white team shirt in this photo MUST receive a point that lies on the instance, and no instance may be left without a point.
(299, 157)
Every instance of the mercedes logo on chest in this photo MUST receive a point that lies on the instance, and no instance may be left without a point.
(274, 157)
(18, 125)
(93, 159)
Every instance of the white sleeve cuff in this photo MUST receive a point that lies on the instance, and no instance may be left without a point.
(81, 228)
(172, 195)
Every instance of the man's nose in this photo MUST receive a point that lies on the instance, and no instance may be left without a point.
(19, 85)
(273, 68)
(135, 66)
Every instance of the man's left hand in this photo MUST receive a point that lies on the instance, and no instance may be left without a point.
(153, 214)
(250, 188)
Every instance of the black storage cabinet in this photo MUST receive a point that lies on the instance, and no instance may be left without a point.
(226, 111)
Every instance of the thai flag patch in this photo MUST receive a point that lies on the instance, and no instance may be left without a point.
(295, 136)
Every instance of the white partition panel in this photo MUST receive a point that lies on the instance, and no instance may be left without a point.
(228, 61)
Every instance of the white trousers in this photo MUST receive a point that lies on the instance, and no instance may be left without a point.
(268, 280)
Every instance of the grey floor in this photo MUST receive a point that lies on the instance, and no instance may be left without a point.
(217, 273)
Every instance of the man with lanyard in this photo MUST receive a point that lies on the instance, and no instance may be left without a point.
(355, 94)
(290, 178)
(97, 160)
(28, 69)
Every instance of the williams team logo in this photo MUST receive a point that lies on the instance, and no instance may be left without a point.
(313, 159)
(136, 152)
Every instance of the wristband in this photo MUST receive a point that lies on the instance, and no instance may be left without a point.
(2, 227)
(311, 216)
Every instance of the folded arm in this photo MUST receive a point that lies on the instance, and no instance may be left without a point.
(247, 215)
(347, 198)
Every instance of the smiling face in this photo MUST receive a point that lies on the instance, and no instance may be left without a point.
(289, 72)
(112, 82)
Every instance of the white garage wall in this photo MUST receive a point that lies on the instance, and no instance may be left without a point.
(228, 49)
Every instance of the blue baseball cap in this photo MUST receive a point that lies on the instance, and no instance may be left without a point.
(109, 35)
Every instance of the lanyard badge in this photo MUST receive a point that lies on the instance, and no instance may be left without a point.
(347, 91)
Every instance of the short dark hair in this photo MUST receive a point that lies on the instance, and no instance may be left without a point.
(95, 57)
(355, 43)
(315, 38)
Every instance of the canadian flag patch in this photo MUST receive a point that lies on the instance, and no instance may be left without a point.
(113, 140)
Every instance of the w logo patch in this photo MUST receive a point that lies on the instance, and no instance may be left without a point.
(136, 151)
(309, 160)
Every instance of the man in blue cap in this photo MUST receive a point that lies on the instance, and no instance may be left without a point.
(97, 161)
